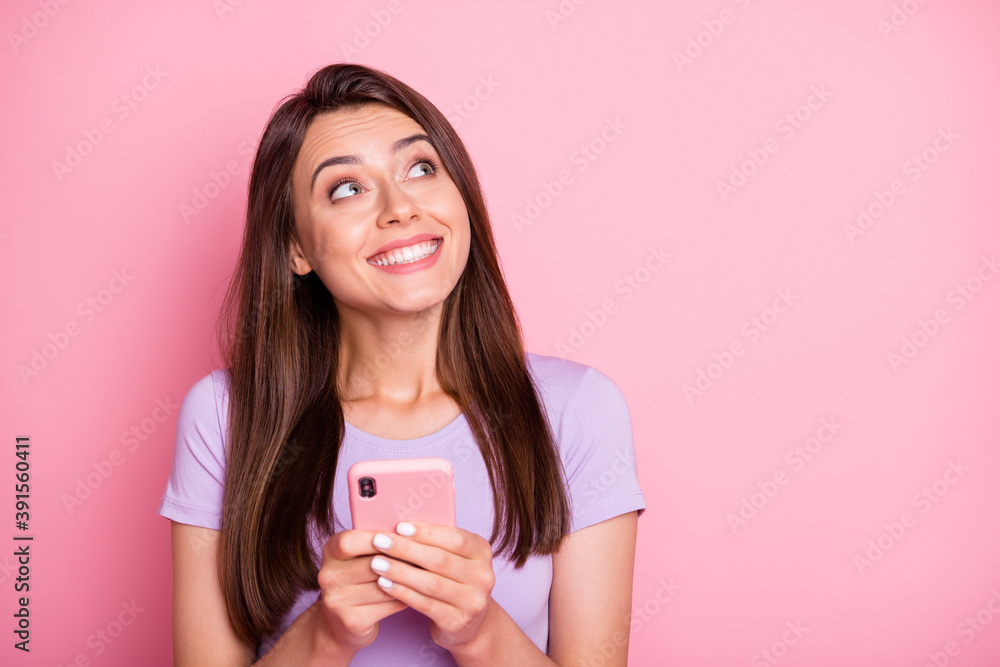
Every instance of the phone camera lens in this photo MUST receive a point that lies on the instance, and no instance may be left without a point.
(367, 487)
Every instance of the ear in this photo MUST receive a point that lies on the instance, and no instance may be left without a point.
(298, 259)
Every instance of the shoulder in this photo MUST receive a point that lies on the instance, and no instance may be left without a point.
(201, 421)
(210, 389)
(195, 486)
(593, 430)
(207, 401)
(570, 386)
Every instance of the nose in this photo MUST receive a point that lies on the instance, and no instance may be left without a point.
(397, 206)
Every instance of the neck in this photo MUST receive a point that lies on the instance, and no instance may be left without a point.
(389, 357)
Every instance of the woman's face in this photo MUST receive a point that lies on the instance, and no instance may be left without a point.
(365, 179)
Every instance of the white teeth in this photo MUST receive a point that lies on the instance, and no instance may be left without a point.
(407, 255)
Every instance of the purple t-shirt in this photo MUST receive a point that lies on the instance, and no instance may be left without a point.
(593, 431)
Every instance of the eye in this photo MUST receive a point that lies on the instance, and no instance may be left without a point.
(425, 167)
(345, 188)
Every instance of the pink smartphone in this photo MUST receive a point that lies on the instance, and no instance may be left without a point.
(383, 493)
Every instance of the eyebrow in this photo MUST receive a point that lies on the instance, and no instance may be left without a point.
(397, 146)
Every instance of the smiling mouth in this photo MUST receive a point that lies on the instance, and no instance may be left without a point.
(406, 255)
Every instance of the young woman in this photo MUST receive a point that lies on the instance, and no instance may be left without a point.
(368, 318)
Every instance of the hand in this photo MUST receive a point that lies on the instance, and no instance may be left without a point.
(351, 601)
(454, 587)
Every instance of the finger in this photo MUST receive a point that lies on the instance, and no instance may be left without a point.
(348, 544)
(428, 557)
(450, 538)
(359, 595)
(351, 581)
(363, 617)
(451, 623)
(468, 589)
(427, 583)
(432, 607)
(380, 610)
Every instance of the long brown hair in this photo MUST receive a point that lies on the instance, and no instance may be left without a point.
(280, 336)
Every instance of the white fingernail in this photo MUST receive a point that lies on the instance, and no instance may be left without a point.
(380, 564)
(382, 541)
(407, 529)
(384, 583)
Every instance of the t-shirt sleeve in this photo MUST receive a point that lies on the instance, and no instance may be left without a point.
(194, 489)
(599, 458)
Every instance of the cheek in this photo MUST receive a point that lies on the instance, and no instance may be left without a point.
(451, 210)
(337, 238)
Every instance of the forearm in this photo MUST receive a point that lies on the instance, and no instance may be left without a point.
(500, 642)
(308, 642)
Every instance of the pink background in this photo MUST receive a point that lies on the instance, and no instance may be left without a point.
(528, 88)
